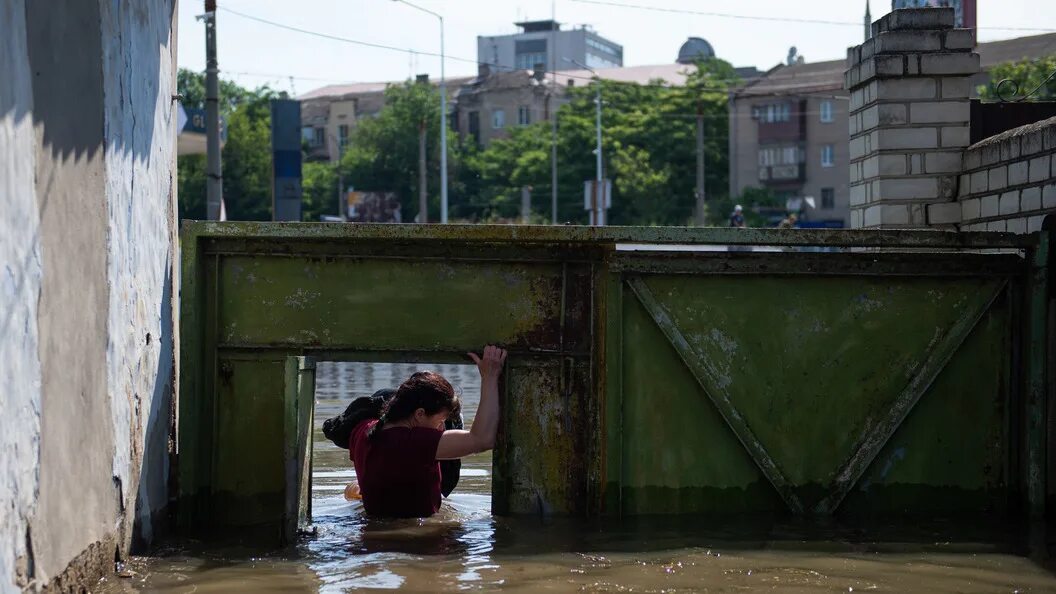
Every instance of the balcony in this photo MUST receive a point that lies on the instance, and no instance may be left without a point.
(777, 175)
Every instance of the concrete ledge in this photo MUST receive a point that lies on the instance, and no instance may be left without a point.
(1025, 141)
(915, 19)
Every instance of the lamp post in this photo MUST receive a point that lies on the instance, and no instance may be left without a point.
(598, 188)
(443, 113)
(340, 177)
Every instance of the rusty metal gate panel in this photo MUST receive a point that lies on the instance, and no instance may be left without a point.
(638, 382)
(810, 377)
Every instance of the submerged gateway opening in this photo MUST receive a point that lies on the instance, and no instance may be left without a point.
(337, 384)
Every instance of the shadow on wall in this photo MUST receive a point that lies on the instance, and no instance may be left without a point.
(153, 492)
(66, 53)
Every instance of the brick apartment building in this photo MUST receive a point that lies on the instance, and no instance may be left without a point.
(789, 128)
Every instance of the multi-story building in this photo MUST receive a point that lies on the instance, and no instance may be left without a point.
(544, 42)
(329, 114)
(488, 106)
(789, 129)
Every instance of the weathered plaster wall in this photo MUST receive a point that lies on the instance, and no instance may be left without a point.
(76, 503)
(20, 278)
(138, 73)
(87, 241)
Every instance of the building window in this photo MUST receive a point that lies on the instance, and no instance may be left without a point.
(772, 113)
(524, 115)
(342, 137)
(826, 155)
(596, 61)
(318, 137)
(828, 198)
(775, 156)
(474, 125)
(826, 112)
(529, 61)
(498, 119)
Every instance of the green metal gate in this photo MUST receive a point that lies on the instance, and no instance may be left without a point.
(640, 381)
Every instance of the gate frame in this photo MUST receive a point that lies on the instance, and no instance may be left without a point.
(600, 246)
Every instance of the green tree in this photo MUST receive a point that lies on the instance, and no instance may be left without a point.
(383, 153)
(1029, 74)
(245, 158)
(319, 184)
(648, 145)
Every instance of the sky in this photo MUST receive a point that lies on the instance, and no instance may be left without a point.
(253, 53)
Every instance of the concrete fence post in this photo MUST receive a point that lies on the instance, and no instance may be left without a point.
(909, 115)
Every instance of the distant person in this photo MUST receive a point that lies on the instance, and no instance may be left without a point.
(788, 222)
(397, 456)
(737, 218)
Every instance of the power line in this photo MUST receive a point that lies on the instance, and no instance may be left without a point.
(727, 15)
(283, 76)
(554, 74)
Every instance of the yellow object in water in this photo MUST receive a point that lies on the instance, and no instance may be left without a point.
(352, 492)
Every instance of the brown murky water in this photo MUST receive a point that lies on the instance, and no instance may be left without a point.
(465, 548)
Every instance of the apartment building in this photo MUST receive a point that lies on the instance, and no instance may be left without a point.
(789, 129)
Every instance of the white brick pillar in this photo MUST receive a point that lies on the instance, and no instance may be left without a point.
(909, 116)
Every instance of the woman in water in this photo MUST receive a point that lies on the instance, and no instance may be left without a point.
(396, 457)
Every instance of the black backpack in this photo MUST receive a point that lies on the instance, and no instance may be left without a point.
(339, 430)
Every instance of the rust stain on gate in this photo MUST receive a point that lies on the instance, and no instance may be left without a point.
(639, 382)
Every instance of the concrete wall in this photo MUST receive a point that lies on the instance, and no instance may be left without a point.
(87, 350)
(20, 280)
(1008, 183)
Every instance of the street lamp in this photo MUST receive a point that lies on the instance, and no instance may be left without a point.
(340, 176)
(599, 188)
(443, 114)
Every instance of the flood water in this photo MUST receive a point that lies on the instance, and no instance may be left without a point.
(465, 548)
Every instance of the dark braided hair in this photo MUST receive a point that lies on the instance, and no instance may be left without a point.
(424, 389)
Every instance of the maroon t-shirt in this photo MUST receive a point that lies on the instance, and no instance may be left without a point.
(397, 470)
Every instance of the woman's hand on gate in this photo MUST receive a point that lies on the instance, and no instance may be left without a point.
(490, 364)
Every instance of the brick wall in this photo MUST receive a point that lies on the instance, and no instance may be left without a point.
(1008, 183)
(909, 117)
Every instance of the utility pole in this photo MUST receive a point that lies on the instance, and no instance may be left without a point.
(423, 203)
(340, 192)
(526, 204)
(553, 114)
(443, 129)
(214, 186)
(599, 190)
(443, 112)
(702, 207)
(597, 204)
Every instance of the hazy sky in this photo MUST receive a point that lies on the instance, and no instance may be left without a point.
(254, 53)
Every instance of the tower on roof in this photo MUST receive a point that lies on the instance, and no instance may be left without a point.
(868, 22)
(695, 48)
(546, 43)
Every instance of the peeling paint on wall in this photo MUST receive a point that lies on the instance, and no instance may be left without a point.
(20, 279)
(137, 73)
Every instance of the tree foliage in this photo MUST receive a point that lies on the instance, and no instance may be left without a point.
(383, 153)
(648, 149)
(1029, 74)
(245, 158)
